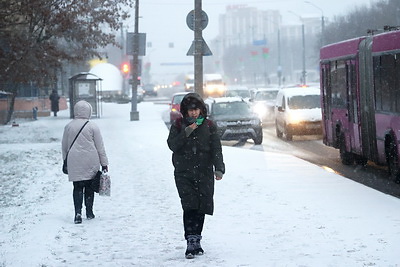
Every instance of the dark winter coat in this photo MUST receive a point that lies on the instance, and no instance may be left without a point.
(195, 159)
(54, 99)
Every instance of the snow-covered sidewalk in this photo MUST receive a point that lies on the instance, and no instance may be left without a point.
(270, 209)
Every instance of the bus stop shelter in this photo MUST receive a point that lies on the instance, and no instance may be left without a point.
(85, 86)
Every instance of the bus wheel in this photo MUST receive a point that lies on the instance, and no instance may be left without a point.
(346, 157)
(393, 163)
(360, 160)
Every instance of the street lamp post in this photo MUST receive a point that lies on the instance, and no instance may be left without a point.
(304, 72)
(322, 21)
(279, 70)
(279, 67)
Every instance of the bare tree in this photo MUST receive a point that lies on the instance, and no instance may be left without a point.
(37, 36)
(361, 19)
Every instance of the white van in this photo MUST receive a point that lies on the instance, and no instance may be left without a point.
(298, 112)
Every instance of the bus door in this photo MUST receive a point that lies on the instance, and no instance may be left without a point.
(353, 107)
(326, 100)
(340, 102)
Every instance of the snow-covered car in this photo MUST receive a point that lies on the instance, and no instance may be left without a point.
(234, 118)
(263, 101)
(298, 112)
(239, 91)
(175, 106)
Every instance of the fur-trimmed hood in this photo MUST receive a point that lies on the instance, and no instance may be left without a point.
(191, 100)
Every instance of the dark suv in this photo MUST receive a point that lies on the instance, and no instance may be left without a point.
(235, 119)
(150, 89)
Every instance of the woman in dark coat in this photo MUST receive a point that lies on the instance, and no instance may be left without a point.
(54, 99)
(197, 158)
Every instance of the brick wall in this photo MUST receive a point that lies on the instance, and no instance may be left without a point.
(24, 105)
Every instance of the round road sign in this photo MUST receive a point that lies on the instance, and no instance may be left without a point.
(190, 20)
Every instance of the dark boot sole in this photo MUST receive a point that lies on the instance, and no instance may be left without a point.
(189, 256)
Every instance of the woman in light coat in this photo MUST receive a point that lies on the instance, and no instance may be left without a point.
(85, 157)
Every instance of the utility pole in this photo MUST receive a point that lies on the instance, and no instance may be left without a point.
(322, 21)
(279, 70)
(304, 72)
(198, 48)
(135, 66)
(124, 89)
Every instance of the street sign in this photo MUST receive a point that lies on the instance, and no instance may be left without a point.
(205, 49)
(142, 43)
(190, 20)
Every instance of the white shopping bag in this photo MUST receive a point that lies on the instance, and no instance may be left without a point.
(105, 184)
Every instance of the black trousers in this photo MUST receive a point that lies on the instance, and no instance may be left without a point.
(193, 222)
(82, 190)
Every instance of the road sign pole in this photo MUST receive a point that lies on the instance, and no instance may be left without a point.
(134, 115)
(198, 48)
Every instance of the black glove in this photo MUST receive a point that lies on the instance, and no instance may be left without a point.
(104, 168)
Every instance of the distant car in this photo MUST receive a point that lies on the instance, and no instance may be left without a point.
(235, 119)
(240, 91)
(263, 103)
(175, 106)
(298, 112)
(150, 89)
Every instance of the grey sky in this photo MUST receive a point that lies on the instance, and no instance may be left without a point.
(164, 21)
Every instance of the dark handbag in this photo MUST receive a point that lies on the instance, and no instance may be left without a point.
(95, 185)
(65, 165)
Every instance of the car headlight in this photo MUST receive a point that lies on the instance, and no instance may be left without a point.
(222, 123)
(260, 110)
(295, 118)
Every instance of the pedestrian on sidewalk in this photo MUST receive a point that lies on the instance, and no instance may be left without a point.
(54, 99)
(197, 158)
(85, 157)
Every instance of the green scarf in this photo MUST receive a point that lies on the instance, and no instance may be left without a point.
(199, 120)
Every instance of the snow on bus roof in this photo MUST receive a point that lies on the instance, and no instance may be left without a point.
(386, 41)
(341, 49)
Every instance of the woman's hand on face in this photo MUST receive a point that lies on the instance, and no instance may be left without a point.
(193, 126)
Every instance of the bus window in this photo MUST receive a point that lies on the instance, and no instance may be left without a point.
(351, 83)
(385, 79)
(397, 83)
(338, 81)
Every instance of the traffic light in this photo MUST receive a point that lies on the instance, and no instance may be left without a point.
(125, 68)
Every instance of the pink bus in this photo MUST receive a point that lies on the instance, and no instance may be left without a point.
(360, 97)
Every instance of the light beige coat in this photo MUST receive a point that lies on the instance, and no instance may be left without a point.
(87, 154)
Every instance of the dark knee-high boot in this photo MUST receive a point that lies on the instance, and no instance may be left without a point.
(78, 199)
(89, 199)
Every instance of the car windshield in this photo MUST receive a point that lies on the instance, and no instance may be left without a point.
(229, 108)
(265, 95)
(304, 102)
(240, 93)
(177, 99)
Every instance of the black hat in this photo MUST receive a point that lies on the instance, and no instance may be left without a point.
(194, 104)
